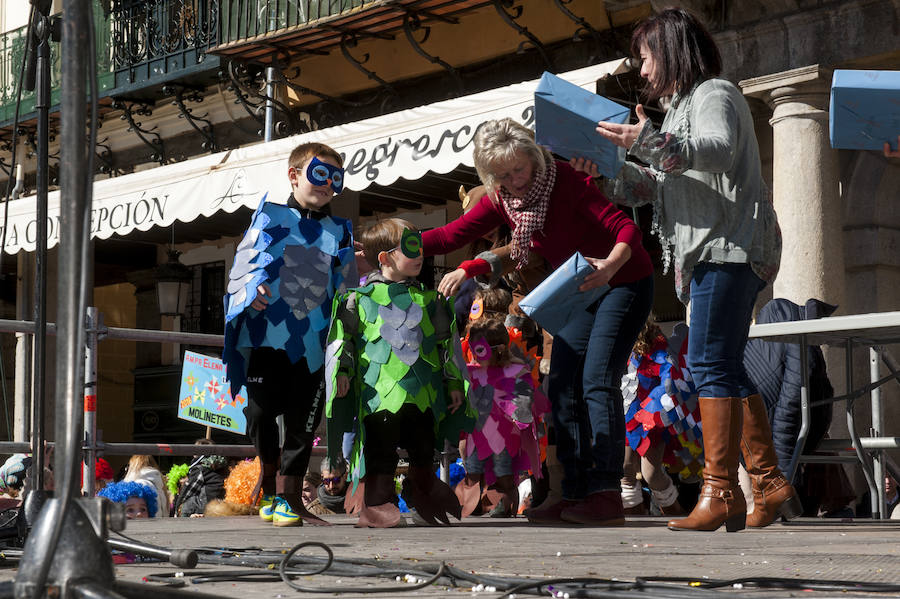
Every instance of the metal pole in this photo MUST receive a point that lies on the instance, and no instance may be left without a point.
(90, 402)
(854, 436)
(42, 105)
(804, 409)
(269, 133)
(877, 429)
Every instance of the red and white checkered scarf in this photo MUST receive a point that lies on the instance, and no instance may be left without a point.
(528, 213)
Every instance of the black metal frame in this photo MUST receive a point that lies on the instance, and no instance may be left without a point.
(183, 93)
(150, 137)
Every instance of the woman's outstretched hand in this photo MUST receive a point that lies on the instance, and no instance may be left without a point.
(452, 281)
(623, 135)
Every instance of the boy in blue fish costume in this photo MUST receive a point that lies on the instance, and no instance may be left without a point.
(287, 269)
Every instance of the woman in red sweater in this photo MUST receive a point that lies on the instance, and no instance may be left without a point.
(554, 211)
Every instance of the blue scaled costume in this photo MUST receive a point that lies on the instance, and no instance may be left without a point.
(305, 257)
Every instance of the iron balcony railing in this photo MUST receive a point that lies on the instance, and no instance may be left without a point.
(154, 41)
(141, 44)
(247, 19)
(12, 53)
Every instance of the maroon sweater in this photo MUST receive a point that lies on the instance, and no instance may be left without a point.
(579, 218)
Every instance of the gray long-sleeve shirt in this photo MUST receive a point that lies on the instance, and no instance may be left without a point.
(705, 182)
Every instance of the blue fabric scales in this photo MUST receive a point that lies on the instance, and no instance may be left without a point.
(305, 262)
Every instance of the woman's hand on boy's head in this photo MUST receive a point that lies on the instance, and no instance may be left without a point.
(342, 385)
(451, 282)
(456, 400)
(260, 302)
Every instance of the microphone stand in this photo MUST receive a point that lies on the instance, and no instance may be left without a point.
(37, 79)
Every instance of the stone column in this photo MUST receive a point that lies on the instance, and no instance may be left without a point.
(805, 183)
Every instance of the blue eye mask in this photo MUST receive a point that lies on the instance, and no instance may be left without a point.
(319, 172)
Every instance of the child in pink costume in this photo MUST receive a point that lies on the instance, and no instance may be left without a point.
(505, 440)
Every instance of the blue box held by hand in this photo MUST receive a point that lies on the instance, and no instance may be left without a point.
(556, 301)
(865, 109)
(565, 121)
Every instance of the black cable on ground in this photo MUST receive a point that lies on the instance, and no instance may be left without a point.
(291, 565)
(766, 582)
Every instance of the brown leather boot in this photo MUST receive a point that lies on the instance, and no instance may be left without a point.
(773, 495)
(603, 508)
(721, 500)
(380, 511)
(549, 513)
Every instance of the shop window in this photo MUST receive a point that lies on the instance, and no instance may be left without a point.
(205, 312)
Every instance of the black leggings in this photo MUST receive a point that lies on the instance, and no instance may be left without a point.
(410, 429)
(277, 387)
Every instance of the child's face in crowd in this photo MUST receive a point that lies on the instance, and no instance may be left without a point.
(305, 192)
(309, 492)
(890, 485)
(136, 507)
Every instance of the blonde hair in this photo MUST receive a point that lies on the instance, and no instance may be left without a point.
(499, 141)
(384, 236)
(139, 462)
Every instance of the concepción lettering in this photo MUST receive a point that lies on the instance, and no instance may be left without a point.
(130, 213)
(124, 214)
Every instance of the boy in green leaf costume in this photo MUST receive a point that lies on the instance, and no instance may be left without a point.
(393, 364)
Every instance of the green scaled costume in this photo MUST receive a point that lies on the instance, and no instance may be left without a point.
(398, 344)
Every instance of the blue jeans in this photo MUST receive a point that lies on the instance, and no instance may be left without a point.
(501, 463)
(722, 298)
(588, 359)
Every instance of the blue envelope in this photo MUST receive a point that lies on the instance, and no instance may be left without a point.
(554, 302)
(565, 119)
(865, 109)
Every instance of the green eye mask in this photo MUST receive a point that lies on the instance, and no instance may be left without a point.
(411, 243)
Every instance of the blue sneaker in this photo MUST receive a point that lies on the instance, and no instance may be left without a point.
(283, 515)
(266, 507)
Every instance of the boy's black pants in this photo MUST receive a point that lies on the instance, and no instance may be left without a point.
(410, 429)
(275, 386)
